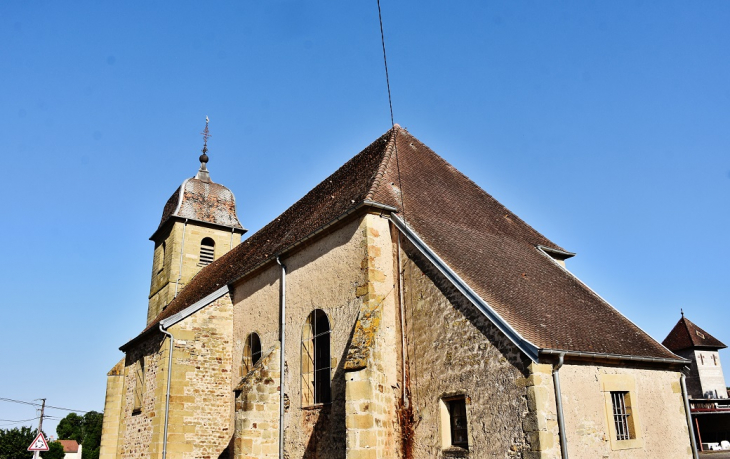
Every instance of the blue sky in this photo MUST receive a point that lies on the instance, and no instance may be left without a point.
(602, 124)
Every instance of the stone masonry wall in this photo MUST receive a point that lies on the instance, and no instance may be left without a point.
(371, 376)
(658, 405)
(257, 410)
(711, 377)
(112, 412)
(139, 430)
(162, 285)
(201, 399)
(541, 425)
(326, 275)
(452, 349)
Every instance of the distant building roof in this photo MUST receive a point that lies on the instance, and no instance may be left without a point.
(686, 335)
(488, 246)
(69, 446)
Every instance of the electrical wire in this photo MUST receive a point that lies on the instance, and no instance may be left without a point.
(2, 399)
(392, 119)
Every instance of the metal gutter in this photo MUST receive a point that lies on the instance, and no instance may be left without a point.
(174, 218)
(542, 250)
(348, 212)
(182, 251)
(193, 308)
(603, 356)
(365, 203)
(523, 344)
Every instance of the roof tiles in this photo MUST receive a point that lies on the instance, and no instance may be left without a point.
(686, 335)
(488, 246)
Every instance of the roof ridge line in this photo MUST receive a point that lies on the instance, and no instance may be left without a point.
(383, 167)
(684, 321)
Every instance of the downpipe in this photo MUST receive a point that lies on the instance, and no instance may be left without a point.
(559, 406)
(167, 393)
(182, 251)
(282, 335)
(688, 414)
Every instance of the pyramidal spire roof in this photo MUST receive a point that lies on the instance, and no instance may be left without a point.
(686, 335)
(499, 256)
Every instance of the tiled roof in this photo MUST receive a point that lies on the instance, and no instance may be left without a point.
(69, 446)
(203, 201)
(686, 334)
(488, 246)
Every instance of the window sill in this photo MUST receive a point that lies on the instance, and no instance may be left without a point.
(317, 406)
(627, 444)
(455, 451)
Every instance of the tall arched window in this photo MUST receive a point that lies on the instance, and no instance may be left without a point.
(251, 353)
(207, 252)
(316, 371)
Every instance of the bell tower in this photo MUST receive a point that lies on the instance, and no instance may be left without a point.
(198, 226)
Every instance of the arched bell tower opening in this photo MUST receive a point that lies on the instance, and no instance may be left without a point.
(199, 225)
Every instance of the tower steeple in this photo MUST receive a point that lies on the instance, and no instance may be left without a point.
(199, 224)
(203, 175)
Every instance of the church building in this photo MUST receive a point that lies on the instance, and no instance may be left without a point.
(397, 310)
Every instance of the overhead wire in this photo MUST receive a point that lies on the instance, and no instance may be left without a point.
(392, 119)
(2, 399)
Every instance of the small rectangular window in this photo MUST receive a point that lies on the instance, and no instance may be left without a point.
(454, 424)
(621, 415)
(457, 412)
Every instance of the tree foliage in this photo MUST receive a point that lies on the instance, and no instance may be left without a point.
(14, 442)
(55, 451)
(86, 430)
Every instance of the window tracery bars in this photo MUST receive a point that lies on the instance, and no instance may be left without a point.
(251, 353)
(315, 354)
(621, 415)
(207, 252)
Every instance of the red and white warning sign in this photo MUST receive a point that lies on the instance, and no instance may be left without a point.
(39, 444)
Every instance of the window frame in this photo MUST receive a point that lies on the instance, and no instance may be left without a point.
(611, 385)
(139, 386)
(251, 354)
(316, 360)
(449, 403)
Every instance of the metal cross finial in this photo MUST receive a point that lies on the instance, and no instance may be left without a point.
(206, 136)
(681, 311)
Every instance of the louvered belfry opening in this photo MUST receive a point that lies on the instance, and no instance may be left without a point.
(207, 252)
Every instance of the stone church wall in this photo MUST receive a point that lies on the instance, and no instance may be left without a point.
(657, 406)
(201, 397)
(112, 412)
(453, 350)
(257, 410)
(140, 428)
(324, 275)
(344, 275)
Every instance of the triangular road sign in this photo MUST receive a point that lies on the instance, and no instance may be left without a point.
(39, 444)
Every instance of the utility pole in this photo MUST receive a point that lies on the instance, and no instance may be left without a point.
(40, 427)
